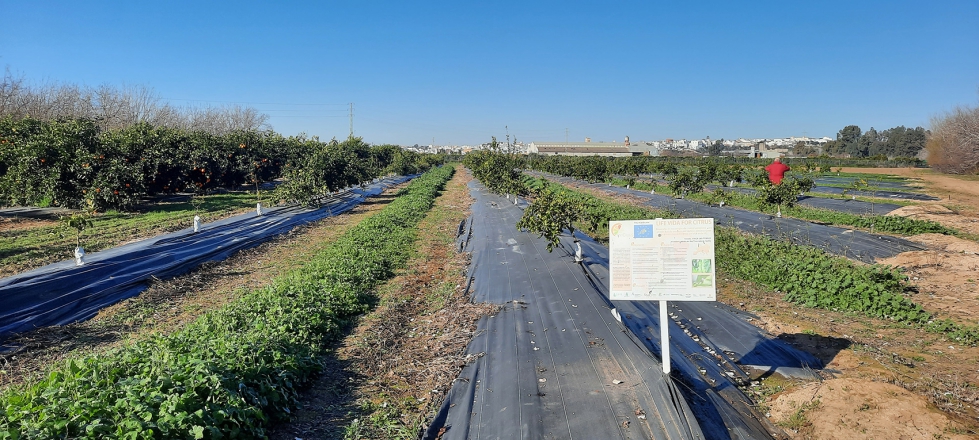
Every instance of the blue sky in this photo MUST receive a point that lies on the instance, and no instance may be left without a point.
(459, 72)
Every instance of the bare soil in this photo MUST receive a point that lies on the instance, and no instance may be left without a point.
(946, 275)
(938, 377)
(846, 409)
(167, 305)
(390, 374)
(16, 224)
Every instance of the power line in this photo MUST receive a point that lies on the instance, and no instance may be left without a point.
(245, 102)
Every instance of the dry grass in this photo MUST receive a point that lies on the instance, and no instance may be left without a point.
(393, 370)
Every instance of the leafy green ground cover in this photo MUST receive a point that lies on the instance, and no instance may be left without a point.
(663, 189)
(22, 249)
(899, 202)
(233, 370)
(870, 187)
(805, 275)
(866, 176)
(880, 223)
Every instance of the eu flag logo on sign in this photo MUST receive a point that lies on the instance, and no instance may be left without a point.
(642, 231)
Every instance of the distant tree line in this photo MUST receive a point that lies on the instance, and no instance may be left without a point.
(899, 141)
(113, 108)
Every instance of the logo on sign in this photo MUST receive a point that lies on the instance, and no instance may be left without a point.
(642, 231)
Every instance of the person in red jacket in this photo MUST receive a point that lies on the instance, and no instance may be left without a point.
(776, 171)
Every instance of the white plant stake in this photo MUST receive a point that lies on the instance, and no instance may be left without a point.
(79, 256)
(258, 208)
(577, 253)
(197, 223)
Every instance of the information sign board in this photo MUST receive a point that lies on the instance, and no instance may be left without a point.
(662, 259)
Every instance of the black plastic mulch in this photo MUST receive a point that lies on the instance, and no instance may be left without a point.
(555, 362)
(62, 293)
(854, 244)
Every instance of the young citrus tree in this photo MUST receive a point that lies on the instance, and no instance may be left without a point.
(784, 194)
(551, 213)
(78, 222)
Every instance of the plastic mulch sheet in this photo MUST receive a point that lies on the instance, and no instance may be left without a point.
(62, 293)
(858, 245)
(555, 363)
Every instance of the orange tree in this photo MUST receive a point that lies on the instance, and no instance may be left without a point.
(72, 163)
(40, 161)
(499, 171)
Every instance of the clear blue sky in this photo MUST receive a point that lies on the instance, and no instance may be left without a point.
(460, 71)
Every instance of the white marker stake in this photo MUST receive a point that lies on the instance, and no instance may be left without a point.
(79, 256)
(664, 336)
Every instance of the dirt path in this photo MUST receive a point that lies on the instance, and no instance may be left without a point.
(390, 374)
(168, 305)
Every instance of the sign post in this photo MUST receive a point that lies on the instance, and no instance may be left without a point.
(662, 260)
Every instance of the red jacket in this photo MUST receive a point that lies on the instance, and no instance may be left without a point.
(776, 171)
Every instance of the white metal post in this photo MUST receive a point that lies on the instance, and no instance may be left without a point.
(664, 335)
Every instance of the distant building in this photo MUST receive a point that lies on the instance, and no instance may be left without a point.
(611, 149)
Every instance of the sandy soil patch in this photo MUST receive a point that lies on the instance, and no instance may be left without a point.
(946, 275)
(848, 409)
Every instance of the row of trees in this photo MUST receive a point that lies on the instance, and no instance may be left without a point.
(899, 141)
(683, 178)
(328, 167)
(75, 163)
(115, 108)
(499, 170)
(554, 210)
